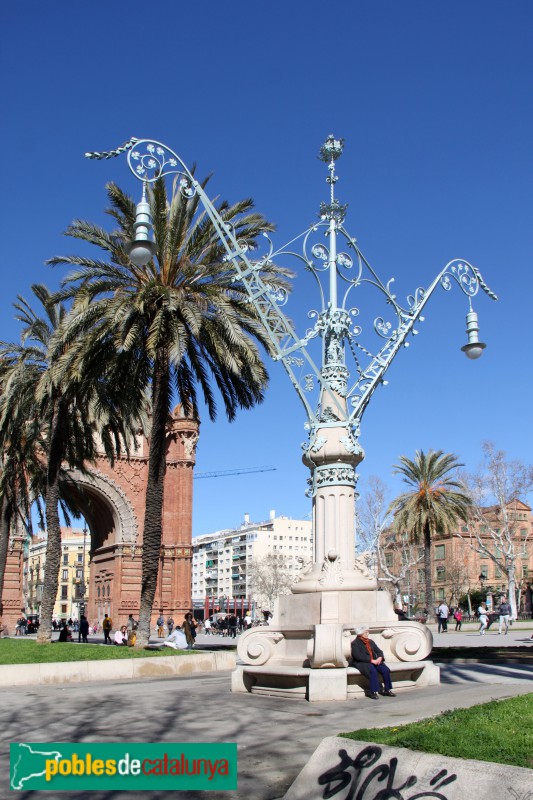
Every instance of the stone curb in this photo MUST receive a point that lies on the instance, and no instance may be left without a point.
(127, 669)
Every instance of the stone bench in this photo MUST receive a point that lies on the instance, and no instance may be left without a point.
(322, 685)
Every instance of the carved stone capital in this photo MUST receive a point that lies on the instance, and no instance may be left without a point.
(258, 645)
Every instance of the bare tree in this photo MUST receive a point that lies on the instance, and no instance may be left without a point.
(372, 518)
(501, 530)
(397, 557)
(389, 556)
(458, 576)
(269, 577)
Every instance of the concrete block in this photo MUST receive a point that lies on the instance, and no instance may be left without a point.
(350, 768)
(327, 684)
(237, 681)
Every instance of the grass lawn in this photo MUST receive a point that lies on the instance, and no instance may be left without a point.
(501, 729)
(14, 651)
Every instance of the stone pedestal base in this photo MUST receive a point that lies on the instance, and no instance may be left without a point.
(325, 685)
(309, 657)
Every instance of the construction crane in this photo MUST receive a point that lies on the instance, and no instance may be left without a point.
(226, 472)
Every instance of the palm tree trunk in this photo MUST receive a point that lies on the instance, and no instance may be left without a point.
(153, 515)
(5, 522)
(427, 568)
(53, 527)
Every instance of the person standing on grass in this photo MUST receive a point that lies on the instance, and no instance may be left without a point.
(189, 629)
(505, 612)
(483, 618)
(107, 624)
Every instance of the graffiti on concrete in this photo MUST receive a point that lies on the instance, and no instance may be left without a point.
(365, 779)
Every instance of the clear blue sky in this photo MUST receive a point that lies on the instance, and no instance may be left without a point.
(435, 101)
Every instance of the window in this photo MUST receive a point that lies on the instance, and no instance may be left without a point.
(65, 558)
(64, 575)
(484, 571)
(388, 559)
(440, 552)
(80, 558)
(441, 573)
(63, 609)
(64, 592)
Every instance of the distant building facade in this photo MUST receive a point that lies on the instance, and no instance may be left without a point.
(221, 560)
(457, 569)
(73, 591)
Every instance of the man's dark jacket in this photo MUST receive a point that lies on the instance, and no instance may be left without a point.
(361, 656)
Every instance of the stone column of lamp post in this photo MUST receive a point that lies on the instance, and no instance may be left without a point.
(305, 650)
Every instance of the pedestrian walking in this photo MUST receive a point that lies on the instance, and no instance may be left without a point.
(84, 629)
(443, 613)
(458, 617)
(160, 627)
(483, 618)
(232, 626)
(170, 625)
(505, 612)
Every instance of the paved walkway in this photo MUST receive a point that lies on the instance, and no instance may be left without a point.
(275, 737)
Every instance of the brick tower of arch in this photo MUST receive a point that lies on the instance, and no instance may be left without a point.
(112, 500)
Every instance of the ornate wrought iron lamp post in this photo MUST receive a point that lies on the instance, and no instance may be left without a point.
(336, 590)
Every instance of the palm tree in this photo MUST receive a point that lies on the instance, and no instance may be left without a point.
(184, 322)
(57, 415)
(434, 504)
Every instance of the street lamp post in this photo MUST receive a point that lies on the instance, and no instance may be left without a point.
(334, 591)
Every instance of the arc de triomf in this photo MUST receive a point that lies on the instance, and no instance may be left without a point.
(112, 502)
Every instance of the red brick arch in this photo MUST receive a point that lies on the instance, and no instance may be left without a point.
(111, 497)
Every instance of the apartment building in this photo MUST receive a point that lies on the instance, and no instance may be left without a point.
(73, 587)
(221, 560)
